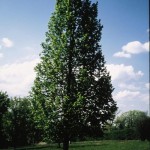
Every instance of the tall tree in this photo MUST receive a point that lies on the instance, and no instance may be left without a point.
(72, 85)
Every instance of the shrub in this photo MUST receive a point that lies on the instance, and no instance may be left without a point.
(144, 129)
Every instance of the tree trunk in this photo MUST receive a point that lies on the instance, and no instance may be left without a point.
(59, 145)
(66, 144)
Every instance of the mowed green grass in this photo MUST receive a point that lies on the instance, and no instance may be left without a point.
(100, 145)
(111, 145)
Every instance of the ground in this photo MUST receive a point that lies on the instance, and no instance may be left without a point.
(97, 145)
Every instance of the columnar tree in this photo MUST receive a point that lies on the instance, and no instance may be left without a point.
(72, 86)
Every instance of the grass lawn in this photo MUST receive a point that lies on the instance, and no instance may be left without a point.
(111, 145)
(100, 145)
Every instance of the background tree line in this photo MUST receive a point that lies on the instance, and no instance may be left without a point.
(21, 126)
(131, 125)
(17, 122)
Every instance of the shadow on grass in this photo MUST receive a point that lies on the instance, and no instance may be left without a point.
(35, 147)
(76, 145)
(73, 145)
(88, 145)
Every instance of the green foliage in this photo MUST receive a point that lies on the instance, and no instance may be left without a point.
(72, 90)
(121, 134)
(4, 104)
(128, 126)
(18, 126)
(144, 129)
(22, 122)
(130, 119)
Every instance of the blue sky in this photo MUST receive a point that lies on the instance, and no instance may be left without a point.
(125, 45)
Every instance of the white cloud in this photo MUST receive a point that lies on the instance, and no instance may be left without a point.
(147, 85)
(123, 73)
(146, 46)
(134, 47)
(126, 95)
(6, 42)
(18, 77)
(1, 55)
(28, 48)
(137, 103)
(136, 97)
(122, 54)
(131, 86)
(130, 93)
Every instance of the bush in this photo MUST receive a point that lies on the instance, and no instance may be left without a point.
(144, 129)
(121, 134)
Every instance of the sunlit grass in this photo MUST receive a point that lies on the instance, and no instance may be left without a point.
(98, 145)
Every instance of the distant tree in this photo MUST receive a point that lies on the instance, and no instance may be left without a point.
(72, 85)
(130, 119)
(22, 123)
(126, 126)
(4, 104)
(144, 129)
